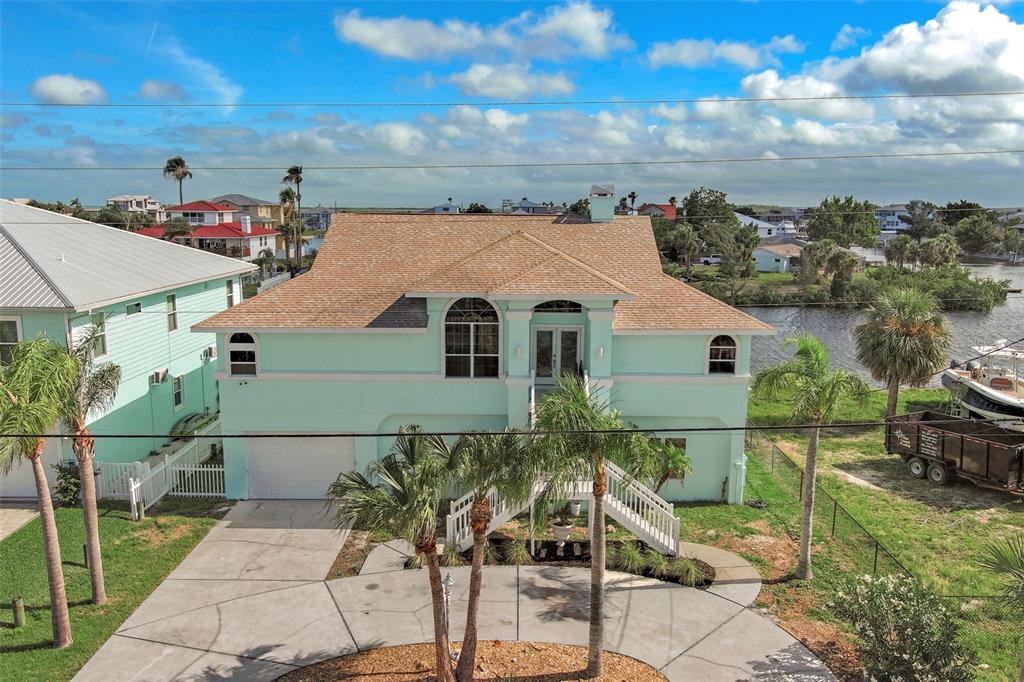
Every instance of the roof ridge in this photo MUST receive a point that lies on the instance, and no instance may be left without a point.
(575, 261)
(35, 266)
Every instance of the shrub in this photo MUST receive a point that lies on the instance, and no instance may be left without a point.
(491, 553)
(905, 633)
(450, 556)
(518, 554)
(686, 571)
(69, 484)
(656, 563)
(628, 558)
(415, 561)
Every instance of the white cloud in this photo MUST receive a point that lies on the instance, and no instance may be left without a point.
(848, 36)
(67, 89)
(676, 139)
(398, 137)
(573, 29)
(768, 84)
(503, 120)
(510, 80)
(691, 52)
(677, 113)
(206, 77)
(157, 89)
(966, 47)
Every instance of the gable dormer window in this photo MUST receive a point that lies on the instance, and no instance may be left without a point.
(242, 355)
(722, 355)
(471, 339)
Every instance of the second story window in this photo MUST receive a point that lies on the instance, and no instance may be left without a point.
(178, 391)
(471, 344)
(172, 312)
(100, 340)
(10, 334)
(133, 308)
(722, 355)
(242, 355)
(230, 288)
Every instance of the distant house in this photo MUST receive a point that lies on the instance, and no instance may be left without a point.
(783, 256)
(263, 213)
(776, 216)
(317, 218)
(218, 230)
(764, 229)
(62, 277)
(139, 203)
(888, 217)
(447, 207)
(666, 211)
(526, 207)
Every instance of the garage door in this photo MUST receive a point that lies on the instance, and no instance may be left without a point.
(297, 468)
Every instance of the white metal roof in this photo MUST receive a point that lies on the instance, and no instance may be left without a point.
(49, 260)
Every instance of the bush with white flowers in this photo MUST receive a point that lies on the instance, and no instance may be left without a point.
(905, 633)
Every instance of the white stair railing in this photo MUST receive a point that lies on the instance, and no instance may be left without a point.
(629, 502)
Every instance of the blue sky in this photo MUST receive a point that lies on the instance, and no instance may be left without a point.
(481, 53)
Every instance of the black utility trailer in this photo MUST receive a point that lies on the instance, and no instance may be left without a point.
(939, 447)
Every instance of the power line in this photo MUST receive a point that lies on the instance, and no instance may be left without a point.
(842, 302)
(503, 103)
(540, 164)
(520, 432)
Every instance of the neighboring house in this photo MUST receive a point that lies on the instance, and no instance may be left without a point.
(453, 323)
(447, 207)
(218, 230)
(776, 216)
(779, 257)
(764, 230)
(526, 207)
(263, 213)
(666, 211)
(318, 218)
(64, 275)
(140, 203)
(888, 217)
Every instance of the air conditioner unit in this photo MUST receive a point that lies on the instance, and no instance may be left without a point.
(158, 377)
(210, 352)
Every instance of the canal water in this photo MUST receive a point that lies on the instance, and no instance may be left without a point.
(835, 326)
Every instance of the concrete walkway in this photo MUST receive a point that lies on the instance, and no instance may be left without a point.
(250, 603)
(14, 515)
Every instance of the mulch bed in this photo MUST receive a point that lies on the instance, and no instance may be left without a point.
(496, 660)
(352, 555)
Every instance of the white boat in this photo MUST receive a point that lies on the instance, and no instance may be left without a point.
(991, 387)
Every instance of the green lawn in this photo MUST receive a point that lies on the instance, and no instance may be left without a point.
(136, 558)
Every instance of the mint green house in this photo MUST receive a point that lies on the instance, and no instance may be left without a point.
(60, 275)
(459, 322)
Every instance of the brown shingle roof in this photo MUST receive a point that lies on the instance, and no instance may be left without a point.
(368, 262)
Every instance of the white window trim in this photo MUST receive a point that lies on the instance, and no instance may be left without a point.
(16, 319)
(173, 313)
(105, 334)
(229, 286)
(254, 346)
(181, 382)
(501, 341)
(707, 356)
(130, 305)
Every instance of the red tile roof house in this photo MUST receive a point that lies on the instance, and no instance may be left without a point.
(459, 322)
(217, 230)
(667, 211)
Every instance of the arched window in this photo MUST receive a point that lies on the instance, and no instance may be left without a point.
(242, 355)
(558, 307)
(471, 344)
(722, 355)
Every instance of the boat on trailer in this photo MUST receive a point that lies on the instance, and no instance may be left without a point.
(991, 387)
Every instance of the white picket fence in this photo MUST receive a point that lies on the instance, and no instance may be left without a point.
(202, 480)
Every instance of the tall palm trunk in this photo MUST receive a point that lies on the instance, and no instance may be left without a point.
(85, 450)
(597, 569)
(894, 396)
(803, 568)
(442, 662)
(61, 621)
(181, 191)
(298, 222)
(480, 520)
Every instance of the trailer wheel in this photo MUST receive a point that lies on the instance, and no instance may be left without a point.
(918, 467)
(937, 474)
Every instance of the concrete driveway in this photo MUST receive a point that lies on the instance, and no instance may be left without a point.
(251, 603)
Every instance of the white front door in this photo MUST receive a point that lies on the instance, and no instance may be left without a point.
(297, 468)
(556, 351)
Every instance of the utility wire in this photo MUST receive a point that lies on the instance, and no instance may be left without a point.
(540, 164)
(503, 103)
(521, 432)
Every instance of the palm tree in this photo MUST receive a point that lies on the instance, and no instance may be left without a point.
(815, 391)
(93, 390)
(665, 461)
(904, 339)
(294, 175)
(487, 462)
(287, 199)
(688, 245)
(402, 494)
(32, 386)
(1006, 559)
(177, 169)
(901, 250)
(672, 201)
(942, 251)
(632, 199)
(579, 452)
(814, 258)
(180, 227)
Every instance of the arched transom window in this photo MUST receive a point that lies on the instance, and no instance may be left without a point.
(722, 355)
(242, 355)
(471, 345)
(558, 307)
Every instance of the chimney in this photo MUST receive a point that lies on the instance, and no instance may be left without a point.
(246, 223)
(602, 203)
